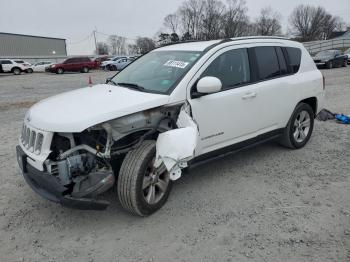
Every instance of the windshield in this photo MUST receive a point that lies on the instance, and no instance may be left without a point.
(347, 51)
(325, 53)
(158, 71)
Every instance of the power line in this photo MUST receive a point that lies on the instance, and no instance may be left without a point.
(105, 34)
(83, 40)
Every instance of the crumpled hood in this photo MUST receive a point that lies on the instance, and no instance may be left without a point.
(77, 110)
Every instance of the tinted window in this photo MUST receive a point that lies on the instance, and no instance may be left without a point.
(84, 59)
(282, 61)
(294, 55)
(68, 61)
(6, 62)
(267, 62)
(232, 68)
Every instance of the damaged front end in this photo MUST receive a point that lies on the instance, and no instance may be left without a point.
(78, 167)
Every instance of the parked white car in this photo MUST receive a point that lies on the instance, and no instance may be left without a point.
(11, 66)
(26, 64)
(106, 65)
(40, 66)
(174, 108)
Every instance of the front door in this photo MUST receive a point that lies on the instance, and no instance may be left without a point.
(229, 116)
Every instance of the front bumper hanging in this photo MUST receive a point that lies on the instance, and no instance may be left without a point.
(49, 187)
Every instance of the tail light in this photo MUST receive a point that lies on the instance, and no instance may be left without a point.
(324, 82)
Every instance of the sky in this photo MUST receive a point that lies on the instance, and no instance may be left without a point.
(75, 20)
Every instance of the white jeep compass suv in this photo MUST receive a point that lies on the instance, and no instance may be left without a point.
(173, 108)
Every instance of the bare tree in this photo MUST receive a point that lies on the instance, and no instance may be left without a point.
(211, 19)
(133, 49)
(312, 23)
(268, 23)
(171, 22)
(235, 21)
(332, 24)
(102, 48)
(117, 44)
(144, 45)
(190, 14)
(113, 44)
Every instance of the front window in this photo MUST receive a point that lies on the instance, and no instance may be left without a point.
(158, 71)
(231, 67)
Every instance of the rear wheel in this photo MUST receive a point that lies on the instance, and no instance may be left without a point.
(16, 71)
(299, 128)
(29, 71)
(142, 189)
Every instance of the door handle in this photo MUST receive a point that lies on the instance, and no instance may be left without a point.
(250, 95)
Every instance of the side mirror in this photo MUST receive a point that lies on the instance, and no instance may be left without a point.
(207, 85)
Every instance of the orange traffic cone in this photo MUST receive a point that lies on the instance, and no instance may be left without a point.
(90, 81)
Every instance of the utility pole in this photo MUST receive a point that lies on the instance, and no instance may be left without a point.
(94, 32)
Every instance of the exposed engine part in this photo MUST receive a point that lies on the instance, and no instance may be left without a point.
(93, 184)
(74, 166)
(156, 118)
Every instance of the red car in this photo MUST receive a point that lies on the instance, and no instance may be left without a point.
(75, 64)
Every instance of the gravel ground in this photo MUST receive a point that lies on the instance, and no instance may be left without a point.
(262, 204)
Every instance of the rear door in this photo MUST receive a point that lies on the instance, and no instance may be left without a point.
(275, 94)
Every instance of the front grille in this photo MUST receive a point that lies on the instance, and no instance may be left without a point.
(32, 139)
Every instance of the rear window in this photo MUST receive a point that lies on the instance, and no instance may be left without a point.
(282, 61)
(5, 62)
(267, 62)
(294, 55)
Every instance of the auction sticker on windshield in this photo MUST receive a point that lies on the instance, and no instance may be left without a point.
(179, 64)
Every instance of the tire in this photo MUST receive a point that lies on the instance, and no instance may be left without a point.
(59, 71)
(345, 64)
(298, 131)
(113, 68)
(85, 70)
(134, 176)
(329, 65)
(29, 71)
(16, 71)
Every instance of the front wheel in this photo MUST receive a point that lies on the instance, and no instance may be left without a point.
(85, 70)
(299, 128)
(59, 71)
(142, 189)
(329, 65)
(29, 71)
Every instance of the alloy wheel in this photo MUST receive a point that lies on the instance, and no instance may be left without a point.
(155, 183)
(302, 125)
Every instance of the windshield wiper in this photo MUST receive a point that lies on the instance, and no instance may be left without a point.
(132, 86)
(109, 80)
